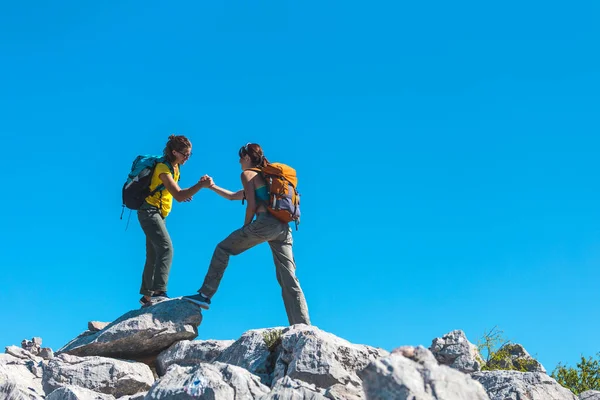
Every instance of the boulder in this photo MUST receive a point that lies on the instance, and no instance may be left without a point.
(590, 395)
(251, 352)
(77, 393)
(190, 352)
(96, 326)
(99, 374)
(291, 389)
(454, 350)
(208, 381)
(413, 373)
(22, 354)
(516, 385)
(311, 355)
(513, 356)
(17, 381)
(138, 396)
(140, 334)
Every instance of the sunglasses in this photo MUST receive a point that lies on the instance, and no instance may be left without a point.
(186, 155)
(244, 150)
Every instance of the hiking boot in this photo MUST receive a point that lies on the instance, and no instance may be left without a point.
(159, 297)
(199, 299)
(154, 299)
(144, 302)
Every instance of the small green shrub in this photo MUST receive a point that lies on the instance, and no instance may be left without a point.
(272, 338)
(585, 377)
(488, 346)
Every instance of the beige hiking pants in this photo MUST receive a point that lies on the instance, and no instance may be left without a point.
(265, 228)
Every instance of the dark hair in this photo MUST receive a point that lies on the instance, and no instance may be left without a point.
(255, 152)
(178, 143)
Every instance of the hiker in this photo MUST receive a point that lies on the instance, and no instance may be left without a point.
(153, 213)
(265, 228)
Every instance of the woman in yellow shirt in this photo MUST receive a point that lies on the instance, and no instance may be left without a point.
(153, 213)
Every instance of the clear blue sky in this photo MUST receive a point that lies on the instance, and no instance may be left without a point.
(446, 152)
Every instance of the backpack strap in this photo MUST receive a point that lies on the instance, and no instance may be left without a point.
(161, 187)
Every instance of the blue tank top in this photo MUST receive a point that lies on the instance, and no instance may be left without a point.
(262, 193)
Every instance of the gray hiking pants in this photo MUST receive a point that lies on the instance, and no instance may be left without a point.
(159, 252)
(265, 228)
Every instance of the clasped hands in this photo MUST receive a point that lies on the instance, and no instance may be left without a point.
(206, 181)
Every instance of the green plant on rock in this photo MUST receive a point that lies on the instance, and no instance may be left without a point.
(272, 338)
(489, 344)
(585, 377)
(498, 350)
(501, 359)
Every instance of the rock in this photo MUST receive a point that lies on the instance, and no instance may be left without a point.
(291, 389)
(343, 392)
(16, 379)
(12, 391)
(513, 356)
(100, 374)
(77, 393)
(590, 395)
(188, 352)
(32, 346)
(454, 350)
(251, 353)
(515, 385)
(46, 353)
(138, 396)
(419, 377)
(96, 326)
(22, 354)
(311, 355)
(140, 334)
(208, 381)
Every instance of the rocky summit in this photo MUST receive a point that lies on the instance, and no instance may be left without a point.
(151, 353)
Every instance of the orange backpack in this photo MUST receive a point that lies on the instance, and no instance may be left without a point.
(284, 199)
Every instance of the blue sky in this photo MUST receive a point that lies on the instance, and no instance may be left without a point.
(446, 156)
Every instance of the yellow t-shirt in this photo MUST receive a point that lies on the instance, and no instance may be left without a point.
(162, 199)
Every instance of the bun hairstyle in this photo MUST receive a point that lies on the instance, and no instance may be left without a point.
(178, 143)
(255, 152)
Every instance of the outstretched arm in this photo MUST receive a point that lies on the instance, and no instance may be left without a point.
(182, 194)
(229, 195)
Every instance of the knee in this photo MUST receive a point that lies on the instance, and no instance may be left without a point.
(166, 249)
(223, 249)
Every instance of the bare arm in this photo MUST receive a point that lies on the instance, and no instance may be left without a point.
(229, 195)
(250, 196)
(178, 193)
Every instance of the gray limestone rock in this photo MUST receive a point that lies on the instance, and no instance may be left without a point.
(189, 352)
(22, 354)
(17, 380)
(515, 385)
(454, 350)
(414, 374)
(137, 396)
(99, 374)
(208, 381)
(251, 352)
(291, 389)
(140, 334)
(77, 393)
(513, 356)
(590, 395)
(311, 355)
(46, 353)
